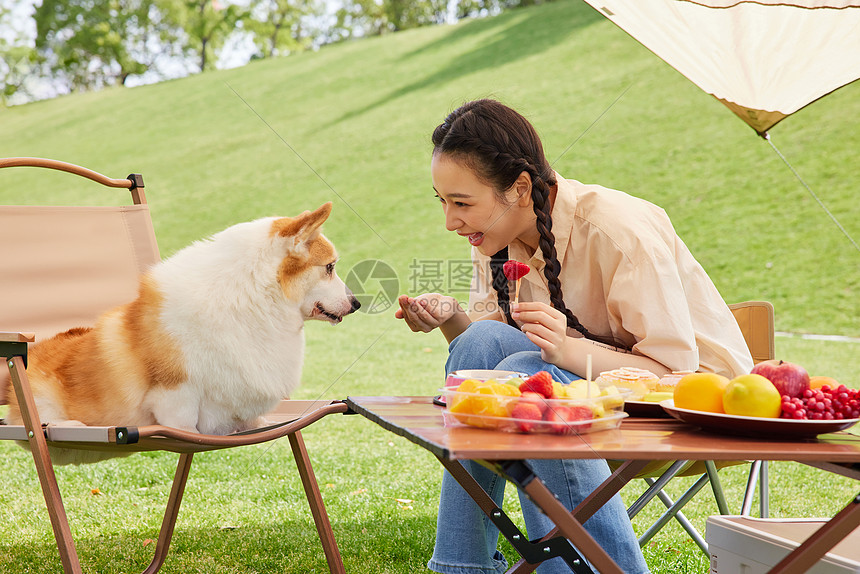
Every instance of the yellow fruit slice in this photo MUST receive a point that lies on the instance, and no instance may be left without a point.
(613, 399)
(580, 390)
(656, 397)
(468, 386)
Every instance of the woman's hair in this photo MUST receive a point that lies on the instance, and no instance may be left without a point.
(498, 144)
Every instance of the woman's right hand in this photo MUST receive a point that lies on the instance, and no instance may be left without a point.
(427, 311)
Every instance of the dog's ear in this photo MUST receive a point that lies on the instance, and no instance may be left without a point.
(304, 226)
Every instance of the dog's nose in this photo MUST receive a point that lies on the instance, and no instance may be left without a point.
(354, 306)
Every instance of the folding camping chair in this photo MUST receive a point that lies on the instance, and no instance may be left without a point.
(62, 267)
(755, 318)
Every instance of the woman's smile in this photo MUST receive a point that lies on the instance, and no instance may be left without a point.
(475, 239)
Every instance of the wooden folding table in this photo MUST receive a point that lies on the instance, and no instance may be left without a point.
(637, 441)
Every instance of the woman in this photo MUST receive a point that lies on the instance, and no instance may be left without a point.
(609, 278)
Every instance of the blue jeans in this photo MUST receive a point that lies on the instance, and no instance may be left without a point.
(466, 540)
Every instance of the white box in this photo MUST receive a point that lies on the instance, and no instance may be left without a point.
(747, 545)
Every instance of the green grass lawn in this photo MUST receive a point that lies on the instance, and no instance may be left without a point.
(245, 511)
(351, 124)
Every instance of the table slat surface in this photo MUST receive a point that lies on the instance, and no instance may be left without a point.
(419, 420)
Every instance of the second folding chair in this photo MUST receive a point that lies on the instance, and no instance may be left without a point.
(755, 318)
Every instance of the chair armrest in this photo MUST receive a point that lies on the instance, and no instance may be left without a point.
(11, 337)
(13, 345)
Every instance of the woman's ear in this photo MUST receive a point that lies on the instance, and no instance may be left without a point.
(523, 189)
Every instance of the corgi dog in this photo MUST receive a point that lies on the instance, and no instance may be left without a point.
(213, 341)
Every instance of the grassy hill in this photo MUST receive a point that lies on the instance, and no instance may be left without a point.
(351, 124)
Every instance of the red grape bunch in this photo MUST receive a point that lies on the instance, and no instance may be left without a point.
(822, 404)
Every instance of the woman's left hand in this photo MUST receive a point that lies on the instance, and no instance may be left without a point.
(545, 326)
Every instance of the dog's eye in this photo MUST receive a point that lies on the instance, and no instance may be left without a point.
(329, 269)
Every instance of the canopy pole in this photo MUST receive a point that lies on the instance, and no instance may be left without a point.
(766, 136)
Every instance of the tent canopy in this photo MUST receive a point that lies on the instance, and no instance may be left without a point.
(763, 59)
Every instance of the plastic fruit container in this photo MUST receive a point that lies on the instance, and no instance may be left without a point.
(454, 379)
(561, 416)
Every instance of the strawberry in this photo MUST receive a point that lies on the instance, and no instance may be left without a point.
(528, 414)
(561, 417)
(540, 382)
(515, 270)
(536, 399)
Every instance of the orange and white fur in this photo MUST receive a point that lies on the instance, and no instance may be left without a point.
(213, 341)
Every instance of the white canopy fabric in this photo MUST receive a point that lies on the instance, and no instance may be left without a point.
(764, 59)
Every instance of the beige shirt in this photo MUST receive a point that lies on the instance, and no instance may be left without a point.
(626, 273)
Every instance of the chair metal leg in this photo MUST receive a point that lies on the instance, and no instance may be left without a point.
(673, 510)
(312, 491)
(165, 535)
(655, 486)
(749, 492)
(44, 467)
(716, 487)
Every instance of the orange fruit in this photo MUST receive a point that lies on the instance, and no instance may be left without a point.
(752, 396)
(484, 398)
(701, 392)
(819, 381)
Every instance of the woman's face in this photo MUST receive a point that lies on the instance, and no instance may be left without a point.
(473, 209)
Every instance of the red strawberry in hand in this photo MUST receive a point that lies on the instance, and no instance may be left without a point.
(540, 383)
(515, 270)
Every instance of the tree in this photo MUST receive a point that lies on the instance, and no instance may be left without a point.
(17, 58)
(206, 25)
(375, 17)
(480, 8)
(93, 43)
(16, 67)
(405, 14)
(281, 27)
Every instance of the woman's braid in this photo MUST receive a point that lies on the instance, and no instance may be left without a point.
(552, 267)
(500, 284)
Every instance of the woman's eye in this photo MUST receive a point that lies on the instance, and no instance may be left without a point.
(455, 203)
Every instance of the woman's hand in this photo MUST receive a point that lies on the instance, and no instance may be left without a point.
(545, 326)
(426, 312)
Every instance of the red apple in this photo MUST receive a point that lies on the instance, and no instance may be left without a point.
(788, 378)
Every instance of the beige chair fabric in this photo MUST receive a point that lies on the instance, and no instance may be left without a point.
(755, 318)
(64, 266)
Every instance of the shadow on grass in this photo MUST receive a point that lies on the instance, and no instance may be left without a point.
(292, 547)
(516, 35)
